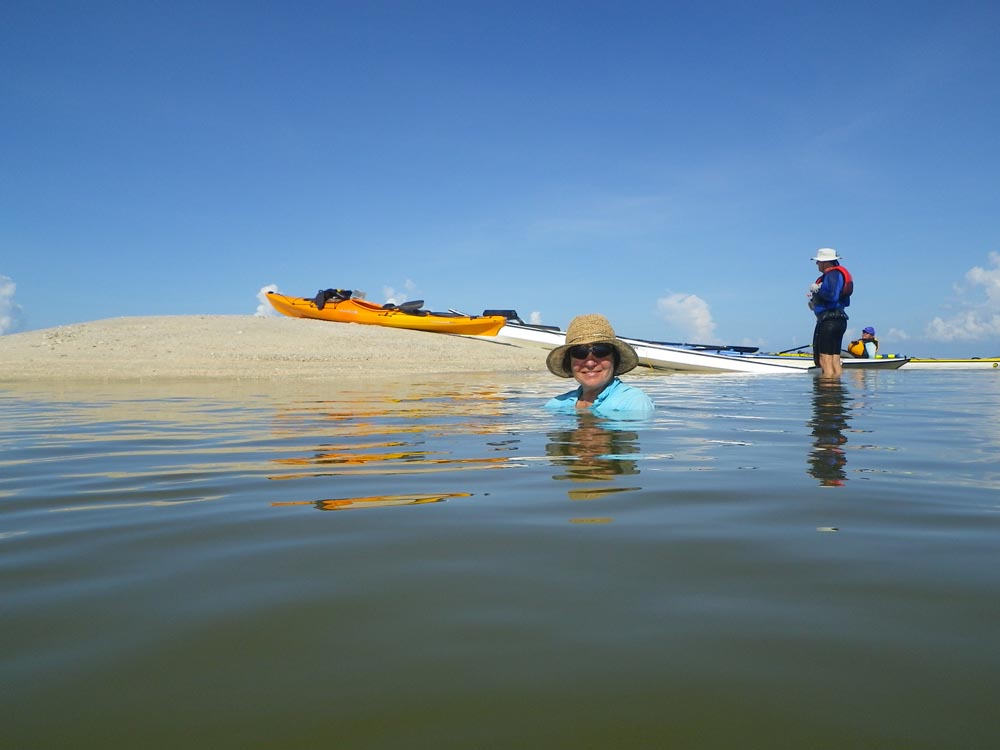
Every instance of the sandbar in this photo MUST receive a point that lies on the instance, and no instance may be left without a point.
(248, 347)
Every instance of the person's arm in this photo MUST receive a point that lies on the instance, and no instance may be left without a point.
(829, 290)
(563, 402)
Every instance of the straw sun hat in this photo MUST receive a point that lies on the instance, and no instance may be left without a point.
(590, 329)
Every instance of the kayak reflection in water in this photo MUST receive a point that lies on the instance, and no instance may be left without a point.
(594, 452)
(828, 458)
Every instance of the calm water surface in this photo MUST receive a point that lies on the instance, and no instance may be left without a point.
(769, 562)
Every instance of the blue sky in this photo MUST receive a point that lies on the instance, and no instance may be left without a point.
(671, 165)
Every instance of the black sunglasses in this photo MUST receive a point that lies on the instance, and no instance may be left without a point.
(600, 351)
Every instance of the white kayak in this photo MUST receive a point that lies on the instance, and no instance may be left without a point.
(897, 361)
(805, 361)
(655, 355)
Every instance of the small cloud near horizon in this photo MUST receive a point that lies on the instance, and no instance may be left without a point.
(689, 315)
(747, 341)
(10, 311)
(265, 309)
(391, 295)
(980, 318)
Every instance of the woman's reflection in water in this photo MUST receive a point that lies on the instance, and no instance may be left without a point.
(595, 451)
(828, 459)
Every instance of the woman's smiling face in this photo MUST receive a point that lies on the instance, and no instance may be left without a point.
(593, 371)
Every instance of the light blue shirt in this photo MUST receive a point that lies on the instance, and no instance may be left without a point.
(616, 401)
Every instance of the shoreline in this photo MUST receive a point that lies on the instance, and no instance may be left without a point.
(247, 347)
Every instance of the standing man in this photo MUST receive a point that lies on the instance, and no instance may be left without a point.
(828, 297)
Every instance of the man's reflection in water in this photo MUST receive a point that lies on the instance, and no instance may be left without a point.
(828, 459)
(595, 451)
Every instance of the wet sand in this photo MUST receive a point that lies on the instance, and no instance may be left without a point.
(246, 347)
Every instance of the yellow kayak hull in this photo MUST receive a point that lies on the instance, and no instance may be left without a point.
(368, 313)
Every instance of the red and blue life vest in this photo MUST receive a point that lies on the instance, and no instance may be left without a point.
(845, 292)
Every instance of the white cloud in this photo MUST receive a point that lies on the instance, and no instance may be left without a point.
(747, 341)
(535, 318)
(972, 325)
(689, 315)
(989, 279)
(10, 311)
(391, 295)
(981, 317)
(264, 309)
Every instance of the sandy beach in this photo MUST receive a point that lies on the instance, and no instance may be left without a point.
(246, 347)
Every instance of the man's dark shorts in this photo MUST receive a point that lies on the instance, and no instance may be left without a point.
(828, 338)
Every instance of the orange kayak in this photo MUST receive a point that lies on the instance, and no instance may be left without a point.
(391, 316)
